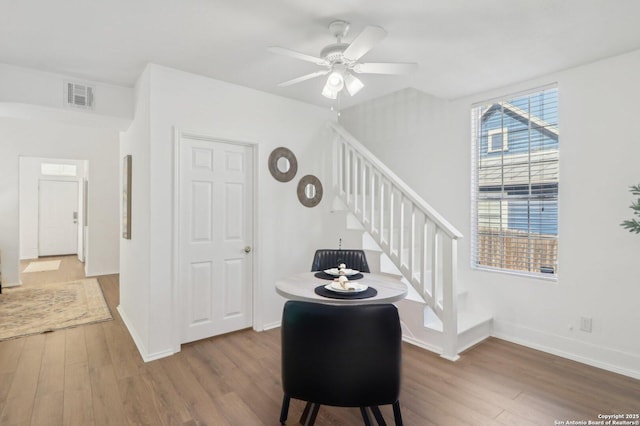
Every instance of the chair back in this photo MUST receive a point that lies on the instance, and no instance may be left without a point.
(341, 355)
(331, 258)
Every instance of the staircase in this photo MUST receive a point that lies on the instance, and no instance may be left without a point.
(411, 240)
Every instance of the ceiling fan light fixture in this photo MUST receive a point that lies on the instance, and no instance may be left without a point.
(329, 92)
(353, 84)
(334, 84)
(335, 81)
(340, 60)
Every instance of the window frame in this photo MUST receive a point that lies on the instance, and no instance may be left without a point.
(58, 170)
(477, 199)
(504, 131)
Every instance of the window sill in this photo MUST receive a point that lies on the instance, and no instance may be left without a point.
(536, 276)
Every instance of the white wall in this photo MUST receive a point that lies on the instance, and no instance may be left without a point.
(29, 178)
(135, 271)
(178, 100)
(41, 138)
(28, 86)
(598, 266)
(406, 130)
(34, 122)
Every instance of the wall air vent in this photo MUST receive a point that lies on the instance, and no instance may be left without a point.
(79, 95)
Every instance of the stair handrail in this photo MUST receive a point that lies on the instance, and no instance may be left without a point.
(447, 227)
(439, 288)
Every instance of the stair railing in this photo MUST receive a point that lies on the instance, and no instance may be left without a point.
(417, 239)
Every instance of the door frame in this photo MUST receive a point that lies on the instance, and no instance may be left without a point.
(177, 313)
(29, 171)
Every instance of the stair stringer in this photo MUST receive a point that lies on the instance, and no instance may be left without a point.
(420, 325)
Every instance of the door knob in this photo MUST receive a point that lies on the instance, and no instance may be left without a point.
(247, 249)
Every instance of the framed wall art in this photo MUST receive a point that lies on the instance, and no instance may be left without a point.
(126, 197)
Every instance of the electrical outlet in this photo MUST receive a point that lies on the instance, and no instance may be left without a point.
(585, 324)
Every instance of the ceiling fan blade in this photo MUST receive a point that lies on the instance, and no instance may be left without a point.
(385, 68)
(297, 55)
(363, 43)
(303, 78)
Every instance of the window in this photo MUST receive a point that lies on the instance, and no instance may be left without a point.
(515, 183)
(50, 169)
(498, 140)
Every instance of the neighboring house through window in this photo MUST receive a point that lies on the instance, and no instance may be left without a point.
(498, 139)
(515, 183)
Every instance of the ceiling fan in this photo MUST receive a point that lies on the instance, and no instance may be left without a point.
(341, 60)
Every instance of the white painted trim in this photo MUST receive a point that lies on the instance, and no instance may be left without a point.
(409, 193)
(158, 355)
(627, 363)
(177, 306)
(421, 344)
(139, 343)
(472, 343)
(545, 86)
(535, 275)
(98, 273)
(272, 325)
(257, 315)
(450, 358)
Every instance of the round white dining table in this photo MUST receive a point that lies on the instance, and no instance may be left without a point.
(301, 287)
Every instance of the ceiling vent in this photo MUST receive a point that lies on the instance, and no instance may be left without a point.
(79, 95)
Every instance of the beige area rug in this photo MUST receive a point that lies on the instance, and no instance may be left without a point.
(47, 265)
(40, 308)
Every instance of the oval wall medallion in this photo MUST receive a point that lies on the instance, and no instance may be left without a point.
(283, 164)
(309, 191)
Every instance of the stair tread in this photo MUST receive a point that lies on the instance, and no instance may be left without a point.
(467, 319)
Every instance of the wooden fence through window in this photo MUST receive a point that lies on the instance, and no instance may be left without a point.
(517, 250)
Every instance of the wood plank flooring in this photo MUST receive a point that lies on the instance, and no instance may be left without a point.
(93, 375)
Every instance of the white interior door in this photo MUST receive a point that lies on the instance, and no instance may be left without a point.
(215, 237)
(57, 217)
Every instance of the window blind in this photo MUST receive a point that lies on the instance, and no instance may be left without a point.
(515, 183)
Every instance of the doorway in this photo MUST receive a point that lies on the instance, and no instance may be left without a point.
(57, 217)
(214, 235)
(52, 213)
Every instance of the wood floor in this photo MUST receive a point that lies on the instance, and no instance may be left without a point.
(70, 269)
(93, 375)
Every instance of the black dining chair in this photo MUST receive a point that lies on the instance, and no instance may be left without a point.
(341, 355)
(331, 258)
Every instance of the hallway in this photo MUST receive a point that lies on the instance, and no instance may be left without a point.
(70, 269)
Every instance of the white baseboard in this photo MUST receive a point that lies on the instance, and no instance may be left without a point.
(597, 356)
(100, 273)
(158, 355)
(29, 255)
(421, 344)
(139, 343)
(271, 326)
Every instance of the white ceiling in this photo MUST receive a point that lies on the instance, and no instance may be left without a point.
(462, 46)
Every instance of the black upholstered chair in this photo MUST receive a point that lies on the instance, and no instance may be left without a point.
(331, 258)
(341, 355)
